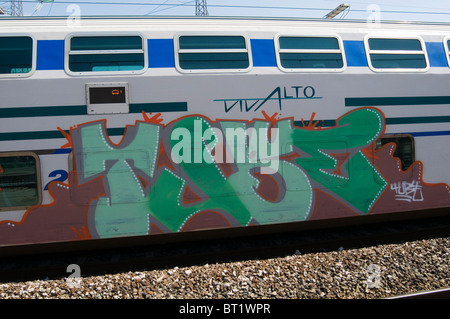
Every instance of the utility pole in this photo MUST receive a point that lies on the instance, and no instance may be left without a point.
(16, 8)
(201, 8)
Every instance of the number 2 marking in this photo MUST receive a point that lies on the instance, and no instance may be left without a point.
(60, 174)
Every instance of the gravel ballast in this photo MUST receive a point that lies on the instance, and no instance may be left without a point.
(365, 273)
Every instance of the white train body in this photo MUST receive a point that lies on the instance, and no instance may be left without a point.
(96, 104)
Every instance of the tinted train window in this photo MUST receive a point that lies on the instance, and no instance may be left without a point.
(404, 148)
(213, 52)
(16, 55)
(19, 180)
(310, 53)
(385, 53)
(106, 53)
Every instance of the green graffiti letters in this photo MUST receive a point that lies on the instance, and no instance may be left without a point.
(361, 184)
(120, 211)
(258, 172)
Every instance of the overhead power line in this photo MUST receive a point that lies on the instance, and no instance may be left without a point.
(166, 4)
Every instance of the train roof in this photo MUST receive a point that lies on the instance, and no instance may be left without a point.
(214, 24)
(212, 19)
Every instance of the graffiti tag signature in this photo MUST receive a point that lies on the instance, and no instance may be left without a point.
(406, 191)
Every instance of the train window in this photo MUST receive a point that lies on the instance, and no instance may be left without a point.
(404, 149)
(106, 54)
(19, 180)
(310, 53)
(16, 55)
(390, 54)
(212, 52)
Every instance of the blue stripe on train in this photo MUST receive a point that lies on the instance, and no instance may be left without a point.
(160, 53)
(50, 54)
(355, 53)
(436, 54)
(263, 53)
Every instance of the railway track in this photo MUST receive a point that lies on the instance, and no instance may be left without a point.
(431, 294)
(94, 262)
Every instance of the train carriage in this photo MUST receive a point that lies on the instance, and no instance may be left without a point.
(125, 127)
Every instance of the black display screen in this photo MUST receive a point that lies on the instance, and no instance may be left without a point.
(107, 95)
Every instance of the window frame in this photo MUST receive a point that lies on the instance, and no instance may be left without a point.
(38, 180)
(68, 52)
(278, 50)
(398, 52)
(447, 49)
(177, 51)
(33, 56)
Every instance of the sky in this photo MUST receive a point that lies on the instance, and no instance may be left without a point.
(403, 10)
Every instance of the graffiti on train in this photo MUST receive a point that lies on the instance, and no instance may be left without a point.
(196, 173)
(406, 191)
